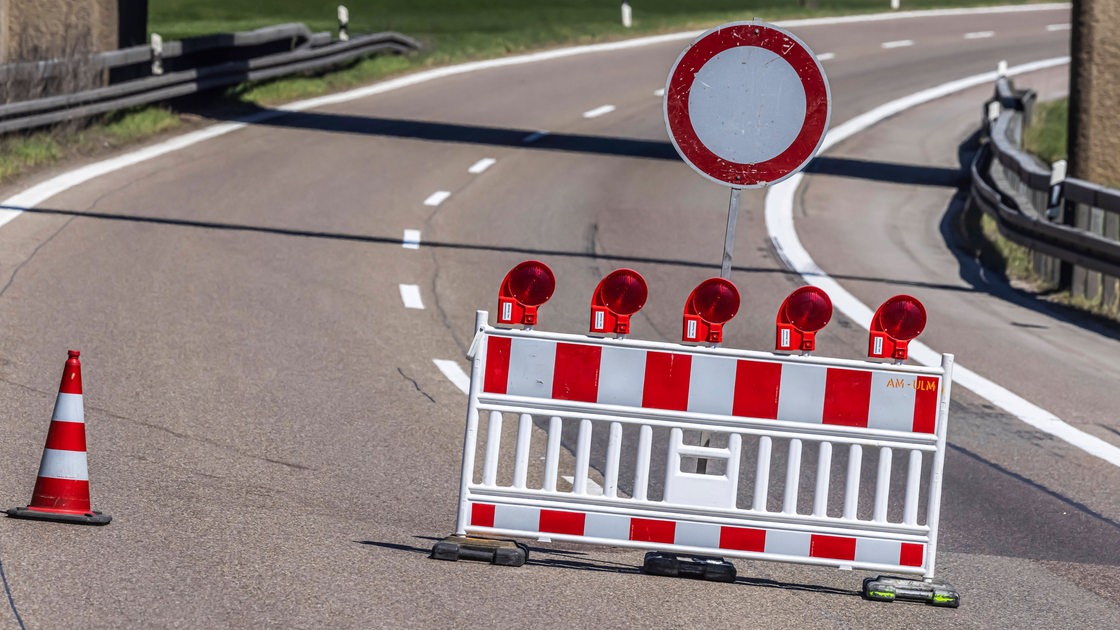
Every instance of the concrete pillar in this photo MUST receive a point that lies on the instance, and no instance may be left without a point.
(1094, 126)
(37, 29)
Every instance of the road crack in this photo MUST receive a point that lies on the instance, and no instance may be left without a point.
(415, 384)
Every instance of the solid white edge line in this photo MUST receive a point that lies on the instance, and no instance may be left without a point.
(437, 198)
(410, 295)
(411, 239)
(481, 166)
(599, 111)
(454, 373)
(783, 235)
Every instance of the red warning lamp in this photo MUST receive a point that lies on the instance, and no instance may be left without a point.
(899, 320)
(712, 304)
(619, 295)
(803, 313)
(527, 286)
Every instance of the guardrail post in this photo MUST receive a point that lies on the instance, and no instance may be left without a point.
(343, 23)
(1057, 182)
(157, 54)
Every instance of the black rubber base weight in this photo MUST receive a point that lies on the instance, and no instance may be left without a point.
(709, 568)
(503, 552)
(887, 589)
(88, 518)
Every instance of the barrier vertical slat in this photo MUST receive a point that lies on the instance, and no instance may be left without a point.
(552, 454)
(641, 469)
(521, 457)
(762, 474)
(851, 484)
(883, 484)
(470, 434)
(583, 457)
(913, 487)
(614, 452)
(934, 506)
(824, 473)
(793, 477)
(493, 446)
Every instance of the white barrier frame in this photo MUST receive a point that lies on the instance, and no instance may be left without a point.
(519, 499)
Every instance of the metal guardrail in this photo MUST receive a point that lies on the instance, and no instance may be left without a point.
(1071, 220)
(178, 68)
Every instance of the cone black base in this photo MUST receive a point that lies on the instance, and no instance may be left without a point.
(88, 518)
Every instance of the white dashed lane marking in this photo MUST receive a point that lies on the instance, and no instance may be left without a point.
(454, 373)
(980, 35)
(660, 92)
(1057, 27)
(411, 239)
(481, 165)
(902, 43)
(410, 295)
(599, 111)
(533, 137)
(437, 198)
(826, 56)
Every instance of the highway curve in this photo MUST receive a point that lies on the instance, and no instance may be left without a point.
(259, 315)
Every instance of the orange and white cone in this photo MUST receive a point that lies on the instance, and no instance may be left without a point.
(62, 488)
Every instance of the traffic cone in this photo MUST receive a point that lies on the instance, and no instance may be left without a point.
(62, 488)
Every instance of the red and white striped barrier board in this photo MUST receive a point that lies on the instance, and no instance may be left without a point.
(810, 460)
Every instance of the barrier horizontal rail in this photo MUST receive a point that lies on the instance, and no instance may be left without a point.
(1027, 226)
(310, 52)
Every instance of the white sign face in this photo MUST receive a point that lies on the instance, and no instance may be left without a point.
(747, 105)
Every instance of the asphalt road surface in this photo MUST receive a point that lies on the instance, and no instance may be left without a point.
(277, 448)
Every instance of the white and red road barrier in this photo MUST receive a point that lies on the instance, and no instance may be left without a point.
(62, 487)
(811, 460)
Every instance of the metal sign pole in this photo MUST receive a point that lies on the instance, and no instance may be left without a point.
(729, 238)
(725, 273)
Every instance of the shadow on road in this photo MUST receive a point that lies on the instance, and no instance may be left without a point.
(448, 245)
(577, 561)
(565, 142)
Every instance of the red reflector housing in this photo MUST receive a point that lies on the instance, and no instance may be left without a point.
(619, 295)
(897, 322)
(710, 305)
(803, 313)
(527, 286)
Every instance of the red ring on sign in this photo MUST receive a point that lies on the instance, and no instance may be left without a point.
(737, 174)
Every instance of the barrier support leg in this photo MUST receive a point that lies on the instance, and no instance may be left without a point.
(710, 568)
(933, 592)
(502, 552)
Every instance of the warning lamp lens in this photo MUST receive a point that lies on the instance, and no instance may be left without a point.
(716, 300)
(531, 283)
(808, 309)
(903, 317)
(624, 292)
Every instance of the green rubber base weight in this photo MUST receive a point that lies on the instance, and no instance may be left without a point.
(502, 552)
(934, 592)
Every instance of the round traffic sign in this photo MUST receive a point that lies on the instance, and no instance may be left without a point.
(747, 104)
